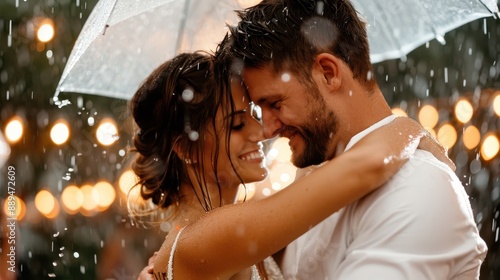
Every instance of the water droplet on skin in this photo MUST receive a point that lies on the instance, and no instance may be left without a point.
(240, 230)
(165, 226)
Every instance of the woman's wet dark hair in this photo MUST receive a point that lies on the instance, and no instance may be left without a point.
(175, 107)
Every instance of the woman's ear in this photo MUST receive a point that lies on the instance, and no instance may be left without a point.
(178, 150)
(182, 154)
(328, 69)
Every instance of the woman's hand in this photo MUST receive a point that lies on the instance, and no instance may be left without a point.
(427, 142)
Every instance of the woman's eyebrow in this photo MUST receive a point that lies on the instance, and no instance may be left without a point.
(236, 113)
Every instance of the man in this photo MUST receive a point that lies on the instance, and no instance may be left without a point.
(307, 64)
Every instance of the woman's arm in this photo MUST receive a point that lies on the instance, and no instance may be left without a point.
(231, 238)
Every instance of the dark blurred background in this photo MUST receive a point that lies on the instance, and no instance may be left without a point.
(453, 89)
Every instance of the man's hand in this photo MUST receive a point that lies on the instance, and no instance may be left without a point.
(147, 272)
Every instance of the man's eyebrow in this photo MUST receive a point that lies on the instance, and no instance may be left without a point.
(236, 113)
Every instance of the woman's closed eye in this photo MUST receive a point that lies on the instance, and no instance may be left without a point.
(238, 127)
(239, 121)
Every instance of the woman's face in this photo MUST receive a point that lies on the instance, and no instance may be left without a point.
(245, 147)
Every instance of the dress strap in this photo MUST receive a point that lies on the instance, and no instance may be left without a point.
(170, 269)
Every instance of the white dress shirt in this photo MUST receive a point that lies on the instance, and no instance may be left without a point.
(419, 225)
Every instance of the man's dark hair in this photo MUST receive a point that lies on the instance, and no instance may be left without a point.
(290, 33)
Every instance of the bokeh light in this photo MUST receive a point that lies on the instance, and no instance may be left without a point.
(246, 192)
(72, 199)
(464, 111)
(104, 194)
(471, 137)
(127, 180)
(45, 31)
(280, 151)
(447, 135)
(490, 146)
(282, 175)
(107, 132)
(428, 116)
(14, 130)
(496, 104)
(89, 204)
(399, 112)
(45, 202)
(14, 207)
(59, 133)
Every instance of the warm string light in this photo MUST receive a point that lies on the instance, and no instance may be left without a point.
(107, 132)
(45, 31)
(59, 133)
(463, 112)
(14, 130)
(428, 116)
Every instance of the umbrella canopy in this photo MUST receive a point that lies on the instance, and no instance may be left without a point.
(124, 40)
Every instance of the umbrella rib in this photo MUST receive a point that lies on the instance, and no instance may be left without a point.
(182, 25)
(495, 14)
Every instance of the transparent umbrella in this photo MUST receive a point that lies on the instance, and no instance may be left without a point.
(124, 40)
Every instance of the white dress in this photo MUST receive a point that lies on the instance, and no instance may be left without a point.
(270, 265)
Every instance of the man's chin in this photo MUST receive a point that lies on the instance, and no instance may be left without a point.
(301, 161)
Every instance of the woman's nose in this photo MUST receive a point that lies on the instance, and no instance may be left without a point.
(256, 131)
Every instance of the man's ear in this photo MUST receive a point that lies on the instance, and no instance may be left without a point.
(328, 68)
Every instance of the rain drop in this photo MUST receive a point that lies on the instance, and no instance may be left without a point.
(187, 95)
(9, 36)
(193, 135)
(440, 39)
(285, 77)
(369, 75)
(320, 7)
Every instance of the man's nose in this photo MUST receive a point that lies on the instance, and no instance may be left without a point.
(271, 123)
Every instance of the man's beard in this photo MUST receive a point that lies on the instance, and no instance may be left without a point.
(317, 133)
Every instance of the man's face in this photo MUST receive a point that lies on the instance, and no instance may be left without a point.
(294, 110)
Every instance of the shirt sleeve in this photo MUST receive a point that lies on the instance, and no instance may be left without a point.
(419, 226)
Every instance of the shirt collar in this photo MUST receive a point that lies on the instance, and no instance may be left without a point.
(355, 139)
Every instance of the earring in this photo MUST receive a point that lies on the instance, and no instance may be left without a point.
(187, 161)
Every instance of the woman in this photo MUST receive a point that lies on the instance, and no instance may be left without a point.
(197, 144)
